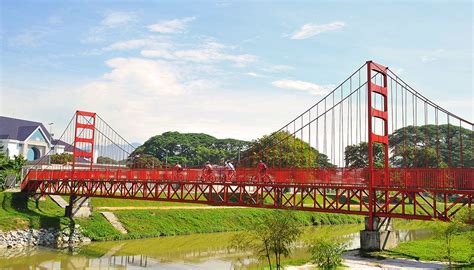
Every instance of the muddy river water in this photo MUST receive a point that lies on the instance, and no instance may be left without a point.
(197, 251)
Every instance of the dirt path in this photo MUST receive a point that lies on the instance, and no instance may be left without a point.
(118, 208)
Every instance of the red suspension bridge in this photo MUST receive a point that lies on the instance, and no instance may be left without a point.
(373, 146)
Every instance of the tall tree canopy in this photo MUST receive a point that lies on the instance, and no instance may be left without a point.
(192, 149)
(281, 149)
(357, 155)
(416, 146)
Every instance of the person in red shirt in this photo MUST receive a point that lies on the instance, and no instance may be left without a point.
(262, 170)
(262, 167)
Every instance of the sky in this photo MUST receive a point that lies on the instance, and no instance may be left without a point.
(238, 69)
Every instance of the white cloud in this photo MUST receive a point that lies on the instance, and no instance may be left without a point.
(100, 33)
(117, 18)
(171, 26)
(140, 98)
(158, 53)
(126, 45)
(314, 89)
(277, 68)
(432, 56)
(146, 77)
(136, 44)
(310, 29)
(256, 75)
(207, 53)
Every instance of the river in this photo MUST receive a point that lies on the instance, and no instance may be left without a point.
(197, 251)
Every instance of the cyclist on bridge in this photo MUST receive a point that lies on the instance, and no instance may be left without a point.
(178, 167)
(207, 171)
(230, 170)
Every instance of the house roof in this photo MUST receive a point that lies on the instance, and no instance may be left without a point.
(67, 147)
(19, 129)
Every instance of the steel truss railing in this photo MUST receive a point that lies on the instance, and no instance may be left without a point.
(415, 203)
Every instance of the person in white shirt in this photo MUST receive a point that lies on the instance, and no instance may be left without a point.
(229, 166)
(230, 170)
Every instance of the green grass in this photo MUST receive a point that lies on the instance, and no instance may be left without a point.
(434, 249)
(19, 212)
(152, 223)
(98, 228)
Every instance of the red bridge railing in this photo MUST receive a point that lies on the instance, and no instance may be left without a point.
(433, 178)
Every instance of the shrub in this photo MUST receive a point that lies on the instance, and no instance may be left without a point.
(326, 252)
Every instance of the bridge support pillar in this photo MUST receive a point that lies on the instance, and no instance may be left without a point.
(79, 207)
(381, 237)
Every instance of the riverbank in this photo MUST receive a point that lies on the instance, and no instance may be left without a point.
(434, 249)
(194, 251)
(147, 219)
(155, 219)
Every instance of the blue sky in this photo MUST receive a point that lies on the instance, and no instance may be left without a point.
(232, 69)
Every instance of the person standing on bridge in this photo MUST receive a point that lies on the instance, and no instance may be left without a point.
(261, 170)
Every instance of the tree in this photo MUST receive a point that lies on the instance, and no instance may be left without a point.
(144, 162)
(415, 146)
(62, 158)
(357, 156)
(282, 149)
(4, 160)
(191, 148)
(10, 166)
(421, 146)
(106, 160)
(270, 237)
(4, 166)
(326, 252)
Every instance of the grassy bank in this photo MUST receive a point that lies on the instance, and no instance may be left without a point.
(153, 223)
(434, 249)
(17, 212)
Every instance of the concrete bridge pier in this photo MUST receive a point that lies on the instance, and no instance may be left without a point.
(79, 207)
(381, 237)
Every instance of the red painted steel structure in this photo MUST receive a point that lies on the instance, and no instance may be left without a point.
(375, 138)
(84, 132)
(293, 180)
(336, 190)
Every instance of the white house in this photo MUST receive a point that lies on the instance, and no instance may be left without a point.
(28, 138)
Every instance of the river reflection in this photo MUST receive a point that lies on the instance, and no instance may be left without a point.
(199, 251)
